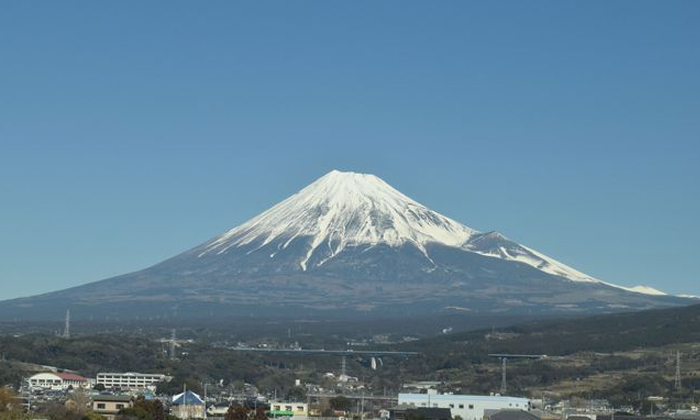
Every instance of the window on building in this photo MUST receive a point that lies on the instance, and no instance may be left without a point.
(452, 406)
(471, 406)
(120, 406)
(461, 406)
(100, 406)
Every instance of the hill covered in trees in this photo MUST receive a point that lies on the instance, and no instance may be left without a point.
(624, 357)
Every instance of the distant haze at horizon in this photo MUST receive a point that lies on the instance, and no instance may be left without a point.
(571, 128)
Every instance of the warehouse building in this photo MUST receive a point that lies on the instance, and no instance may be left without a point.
(468, 407)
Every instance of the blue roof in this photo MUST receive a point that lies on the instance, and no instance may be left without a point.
(187, 398)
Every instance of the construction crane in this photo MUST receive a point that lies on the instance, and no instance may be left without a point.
(504, 361)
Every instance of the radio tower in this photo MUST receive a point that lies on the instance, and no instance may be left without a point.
(678, 370)
(66, 330)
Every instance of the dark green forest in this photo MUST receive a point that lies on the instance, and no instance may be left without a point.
(575, 348)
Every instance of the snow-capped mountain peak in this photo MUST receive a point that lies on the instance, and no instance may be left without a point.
(350, 244)
(341, 209)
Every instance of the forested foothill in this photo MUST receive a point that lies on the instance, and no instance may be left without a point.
(622, 357)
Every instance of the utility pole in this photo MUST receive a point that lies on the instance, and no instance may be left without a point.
(205, 401)
(184, 399)
(504, 388)
(172, 345)
(362, 407)
(678, 371)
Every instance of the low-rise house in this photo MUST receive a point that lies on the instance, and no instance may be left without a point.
(686, 415)
(422, 385)
(218, 410)
(404, 412)
(108, 406)
(509, 414)
(298, 410)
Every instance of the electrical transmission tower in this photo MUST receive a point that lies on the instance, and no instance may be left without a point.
(503, 357)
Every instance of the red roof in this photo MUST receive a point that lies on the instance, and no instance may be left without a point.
(71, 377)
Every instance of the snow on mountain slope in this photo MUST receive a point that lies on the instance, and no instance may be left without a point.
(493, 244)
(647, 290)
(343, 209)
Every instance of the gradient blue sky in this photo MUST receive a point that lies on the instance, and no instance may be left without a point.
(131, 131)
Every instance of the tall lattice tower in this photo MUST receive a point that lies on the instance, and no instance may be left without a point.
(678, 371)
(66, 330)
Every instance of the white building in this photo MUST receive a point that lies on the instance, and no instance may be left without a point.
(468, 407)
(58, 381)
(297, 410)
(131, 380)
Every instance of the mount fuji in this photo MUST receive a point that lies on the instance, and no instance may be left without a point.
(349, 244)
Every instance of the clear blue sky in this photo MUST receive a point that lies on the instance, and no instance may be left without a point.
(130, 132)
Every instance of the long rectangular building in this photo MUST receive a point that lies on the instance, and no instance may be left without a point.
(130, 380)
(468, 407)
(58, 381)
